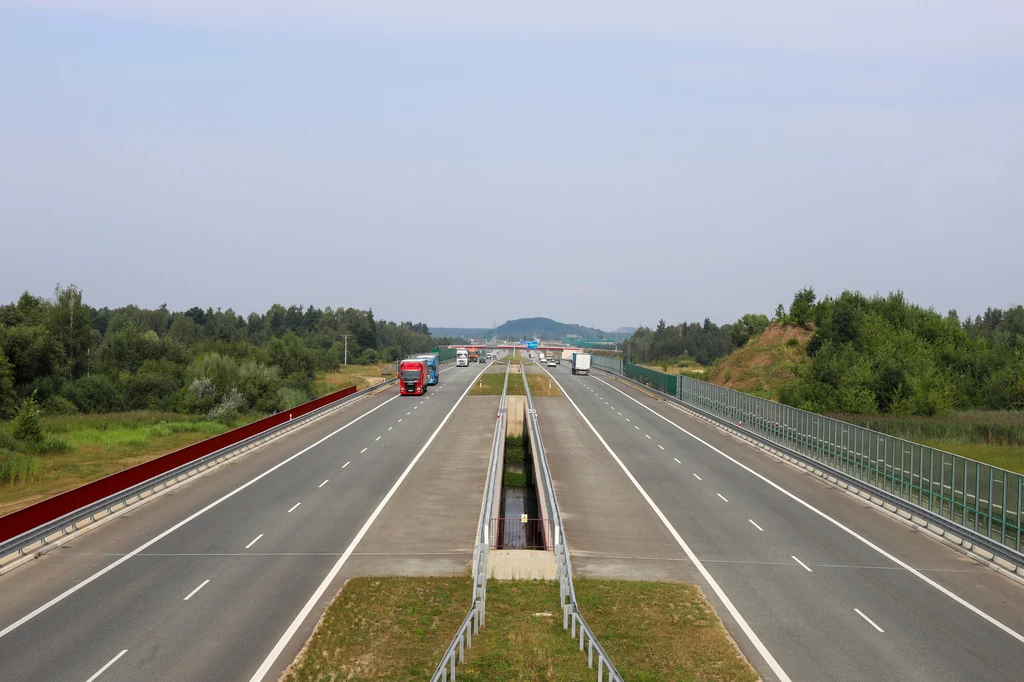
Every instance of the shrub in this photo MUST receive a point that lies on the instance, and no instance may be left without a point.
(27, 425)
(793, 342)
(199, 396)
(287, 398)
(145, 391)
(258, 384)
(228, 407)
(17, 468)
(96, 393)
(58, 405)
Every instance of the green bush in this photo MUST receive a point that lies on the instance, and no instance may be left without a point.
(27, 426)
(145, 391)
(16, 467)
(95, 393)
(228, 406)
(793, 342)
(287, 398)
(58, 405)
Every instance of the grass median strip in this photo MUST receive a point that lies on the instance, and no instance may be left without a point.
(397, 628)
(491, 383)
(541, 386)
(388, 629)
(661, 631)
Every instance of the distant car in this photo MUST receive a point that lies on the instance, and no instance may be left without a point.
(551, 362)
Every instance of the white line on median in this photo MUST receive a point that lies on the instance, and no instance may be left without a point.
(324, 483)
(756, 526)
(141, 548)
(293, 508)
(268, 662)
(899, 562)
(722, 496)
(737, 616)
(257, 538)
(193, 592)
(104, 668)
(870, 622)
(806, 567)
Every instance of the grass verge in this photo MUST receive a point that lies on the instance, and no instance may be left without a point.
(541, 386)
(100, 445)
(660, 631)
(388, 629)
(359, 375)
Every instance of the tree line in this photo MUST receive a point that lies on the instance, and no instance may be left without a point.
(70, 357)
(870, 354)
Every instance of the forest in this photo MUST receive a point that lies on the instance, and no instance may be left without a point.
(869, 354)
(67, 357)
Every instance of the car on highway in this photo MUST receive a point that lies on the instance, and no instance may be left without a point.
(551, 362)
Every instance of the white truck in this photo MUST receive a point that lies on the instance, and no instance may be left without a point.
(581, 363)
(461, 357)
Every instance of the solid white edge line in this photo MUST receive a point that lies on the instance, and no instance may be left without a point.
(899, 562)
(293, 508)
(737, 616)
(806, 567)
(257, 538)
(756, 526)
(104, 668)
(870, 622)
(193, 592)
(71, 590)
(268, 662)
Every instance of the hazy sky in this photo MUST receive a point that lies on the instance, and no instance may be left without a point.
(460, 163)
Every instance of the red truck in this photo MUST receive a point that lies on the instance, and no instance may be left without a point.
(412, 377)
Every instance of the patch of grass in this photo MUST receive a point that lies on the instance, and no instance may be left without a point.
(996, 438)
(97, 445)
(387, 629)
(17, 467)
(513, 479)
(541, 386)
(523, 638)
(359, 376)
(515, 449)
(489, 383)
(660, 631)
(515, 384)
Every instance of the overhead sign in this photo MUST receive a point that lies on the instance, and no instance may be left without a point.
(531, 344)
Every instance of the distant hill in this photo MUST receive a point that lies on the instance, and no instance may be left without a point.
(626, 331)
(534, 328)
(546, 329)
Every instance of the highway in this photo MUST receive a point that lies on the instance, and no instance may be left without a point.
(813, 584)
(225, 577)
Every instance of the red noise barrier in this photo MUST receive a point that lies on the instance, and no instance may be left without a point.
(51, 509)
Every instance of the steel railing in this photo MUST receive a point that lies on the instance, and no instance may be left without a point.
(474, 620)
(972, 501)
(572, 618)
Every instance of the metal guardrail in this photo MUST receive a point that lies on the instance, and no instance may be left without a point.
(572, 618)
(957, 496)
(40, 537)
(474, 620)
